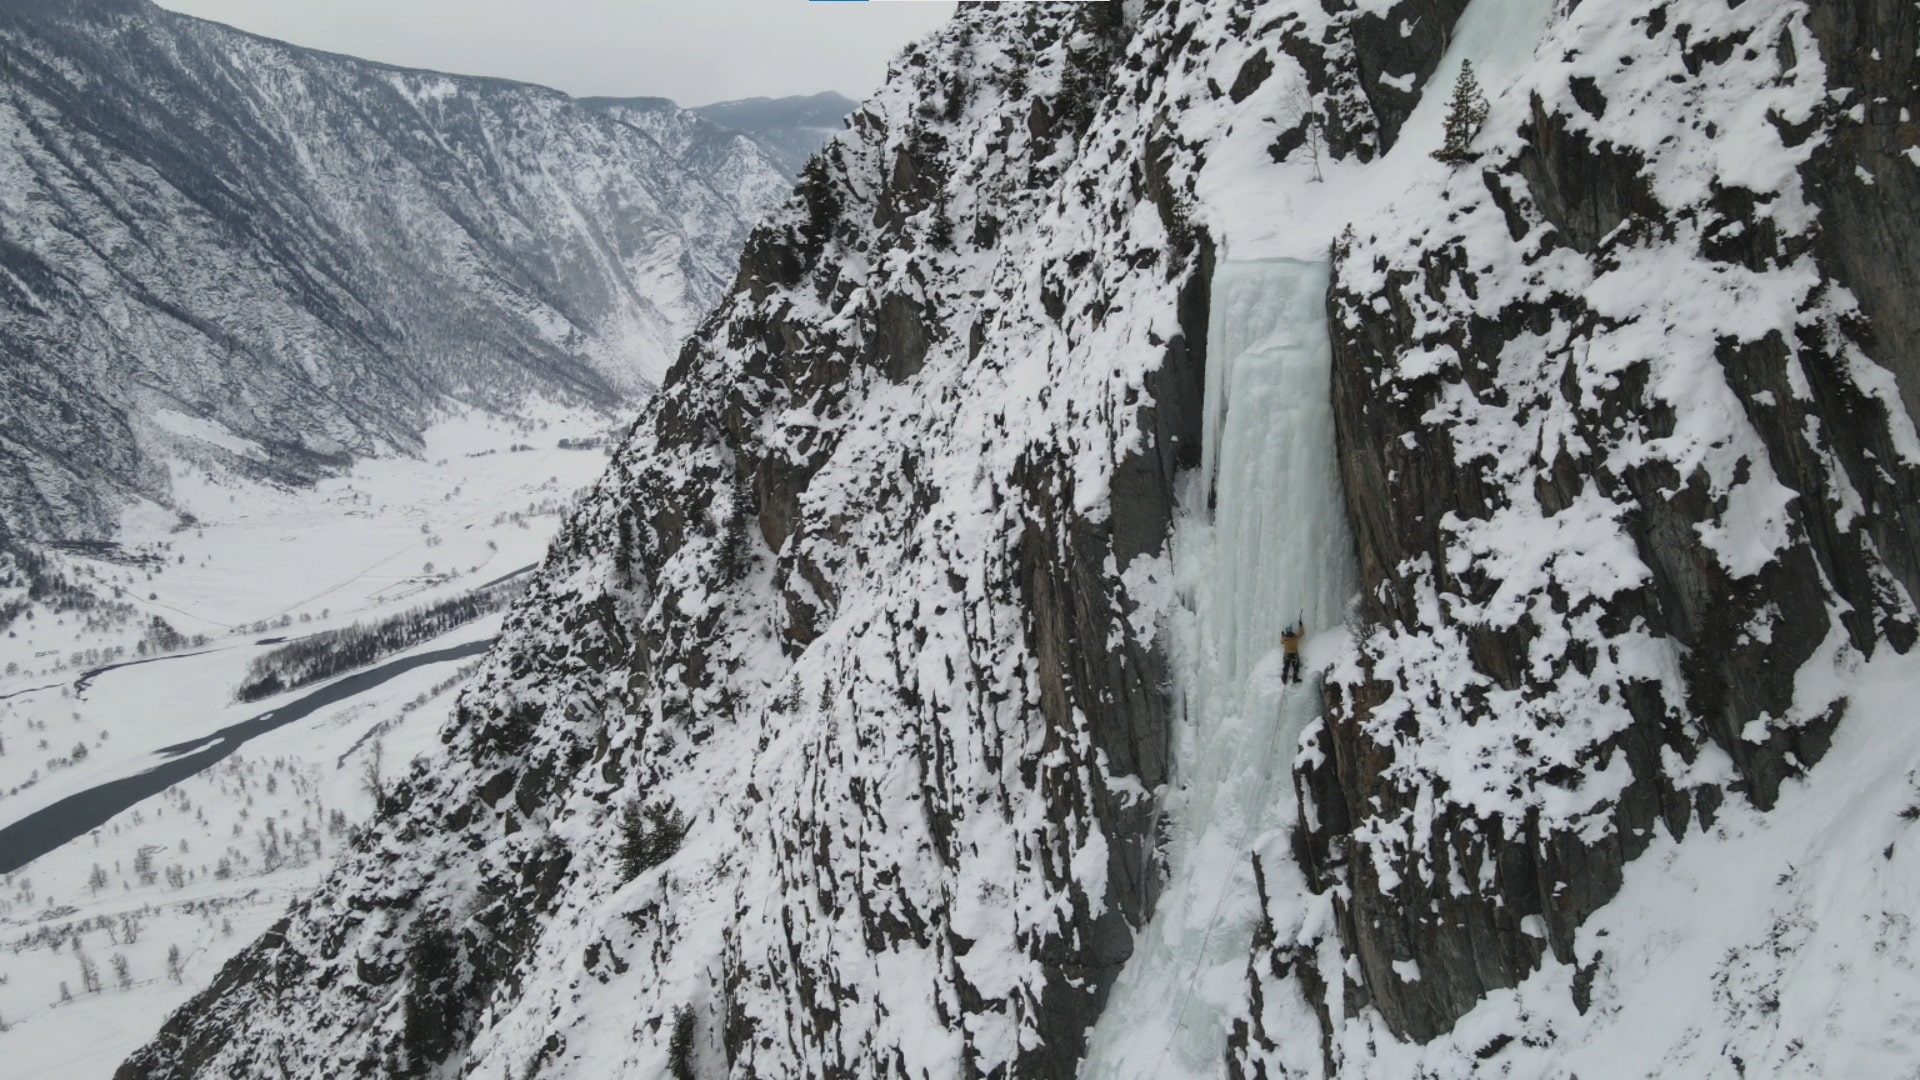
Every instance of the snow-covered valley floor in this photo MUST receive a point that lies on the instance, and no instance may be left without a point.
(156, 900)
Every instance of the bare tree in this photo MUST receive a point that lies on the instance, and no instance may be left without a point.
(1311, 130)
(1315, 146)
(370, 777)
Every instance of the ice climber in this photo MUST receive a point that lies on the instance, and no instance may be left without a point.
(1290, 641)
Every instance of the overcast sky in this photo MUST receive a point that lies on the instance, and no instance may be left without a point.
(694, 51)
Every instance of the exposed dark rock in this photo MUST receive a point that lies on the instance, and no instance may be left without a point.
(900, 337)
(1585, 191)
(1257, 70)
(1870, 49)
(1366, 70)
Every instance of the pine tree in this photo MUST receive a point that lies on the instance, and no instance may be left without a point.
(648, 838)
(680, 1046)
(1465, 115)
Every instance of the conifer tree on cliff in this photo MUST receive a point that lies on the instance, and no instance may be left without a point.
(1465, 115)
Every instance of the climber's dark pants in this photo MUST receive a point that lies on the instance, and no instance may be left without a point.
(1290, 669)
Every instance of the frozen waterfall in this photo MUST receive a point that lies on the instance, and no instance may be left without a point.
(1273, 547)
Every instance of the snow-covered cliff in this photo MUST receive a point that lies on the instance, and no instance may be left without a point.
(869, 599)
(274, 259)
(906, 698)
(1631, 480)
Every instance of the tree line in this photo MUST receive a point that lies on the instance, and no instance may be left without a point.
(333, 652)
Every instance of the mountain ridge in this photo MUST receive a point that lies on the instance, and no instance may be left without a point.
(159, 165)
(791, 128)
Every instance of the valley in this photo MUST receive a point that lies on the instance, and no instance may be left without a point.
(245, 822)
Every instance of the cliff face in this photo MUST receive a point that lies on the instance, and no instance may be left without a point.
(862, 621)
(303, 254)
(1632, 487)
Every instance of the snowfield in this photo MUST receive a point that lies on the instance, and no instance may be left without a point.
(208, 865)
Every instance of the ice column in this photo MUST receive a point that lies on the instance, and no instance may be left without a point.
(1263, 540)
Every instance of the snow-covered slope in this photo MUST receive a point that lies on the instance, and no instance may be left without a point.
(916, 656)
(218, 246)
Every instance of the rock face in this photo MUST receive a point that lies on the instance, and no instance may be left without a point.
(1630, 483)
(400, 239)
(1366, 67)
(863, 620)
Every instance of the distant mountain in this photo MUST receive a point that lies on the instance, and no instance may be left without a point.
(791, 129)
(736, 164)
(275, 259)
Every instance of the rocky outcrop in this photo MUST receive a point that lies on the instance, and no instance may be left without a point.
(1366, 68)
(1863, 174)
(1630, 482)
(402, 240)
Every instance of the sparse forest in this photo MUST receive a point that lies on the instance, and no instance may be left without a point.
(38, 580)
